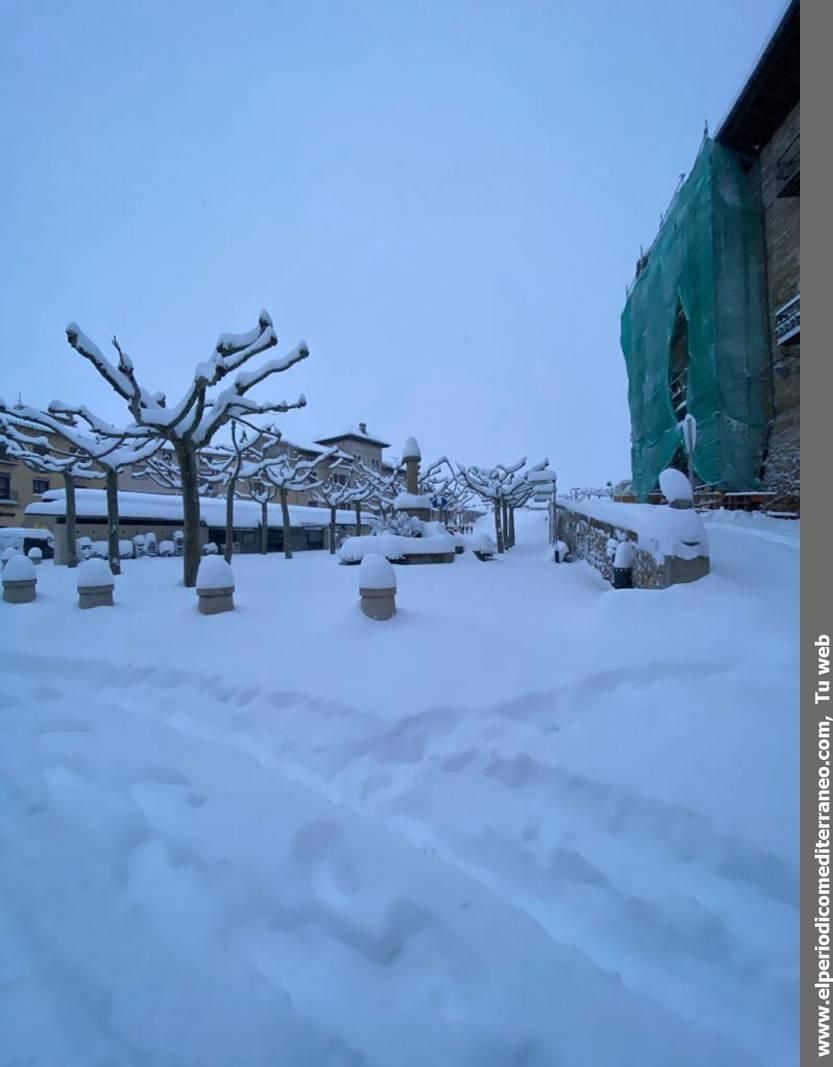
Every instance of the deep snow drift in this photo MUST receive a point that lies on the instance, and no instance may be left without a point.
(529, 821)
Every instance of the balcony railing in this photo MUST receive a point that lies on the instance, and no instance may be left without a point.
(788, 169)
(788, 322)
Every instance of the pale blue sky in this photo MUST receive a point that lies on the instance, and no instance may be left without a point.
(444, 199)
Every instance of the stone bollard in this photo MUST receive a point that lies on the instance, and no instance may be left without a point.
(35, 555)
(19, 581)
(215, 586)
(95, 584)
(623, 566)
(377, 587)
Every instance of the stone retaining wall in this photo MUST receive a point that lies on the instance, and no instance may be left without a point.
(588, 539)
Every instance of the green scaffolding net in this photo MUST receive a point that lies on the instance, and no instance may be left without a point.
(694, 331)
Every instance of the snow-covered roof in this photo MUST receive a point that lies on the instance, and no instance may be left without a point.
(357, 433)
(92, 503)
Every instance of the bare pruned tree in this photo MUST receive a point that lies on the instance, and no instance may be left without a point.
(192, 422)
(343, 487)
(491, 485)
(108, 455)
(289, 473)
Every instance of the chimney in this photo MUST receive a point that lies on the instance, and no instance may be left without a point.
(363, 427)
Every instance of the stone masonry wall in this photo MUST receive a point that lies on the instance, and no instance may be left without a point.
(587, 538)
(781, 234)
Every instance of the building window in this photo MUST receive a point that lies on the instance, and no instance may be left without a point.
(40, 485)
(678, 367)
(5, 487)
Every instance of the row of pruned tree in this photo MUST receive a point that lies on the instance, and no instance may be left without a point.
(169, 442)
(77, 443)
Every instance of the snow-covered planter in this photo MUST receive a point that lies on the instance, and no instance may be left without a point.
(483, 547)
(8, 553)
(377, 587)
(95, 584)
(166, 548)
(35, 554)
(19, 580)
(215, 586)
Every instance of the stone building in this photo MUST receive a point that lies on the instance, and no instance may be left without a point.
(763, 128)
(711, 326)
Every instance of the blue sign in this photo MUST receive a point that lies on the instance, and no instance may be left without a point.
(439, 503)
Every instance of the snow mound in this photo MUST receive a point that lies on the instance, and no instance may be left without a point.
(93, 573)
(19, 569)
(215, 573)
(376, 572)
(411, 449)
(675, 486)
(412, 500)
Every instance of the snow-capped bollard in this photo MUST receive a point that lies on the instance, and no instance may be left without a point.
(560, 551)
(19, 581)
(7, 554)
(215, 586)
(377, 587)
(623, 566)
(676, 488)
(95, 584)
(35, 555)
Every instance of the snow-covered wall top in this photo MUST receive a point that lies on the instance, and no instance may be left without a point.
(92, 503)
(660, 529)
(411, 500)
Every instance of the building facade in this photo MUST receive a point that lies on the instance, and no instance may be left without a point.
(711, 326)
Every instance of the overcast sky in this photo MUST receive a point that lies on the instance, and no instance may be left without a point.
(444, 199)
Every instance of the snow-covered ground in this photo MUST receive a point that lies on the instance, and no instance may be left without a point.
(531, 821)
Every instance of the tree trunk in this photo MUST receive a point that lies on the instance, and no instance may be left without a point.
(72, 547)
(186, 456)
(287, 550)
(264, 527)
(504, 518)
(498, 530)
(512, 526)
(332, 530)
(113, 522)
(227, 550)
(358, 518)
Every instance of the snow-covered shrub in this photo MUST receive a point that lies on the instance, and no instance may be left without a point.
(399, 523)
(166, 548)
(35, 554)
